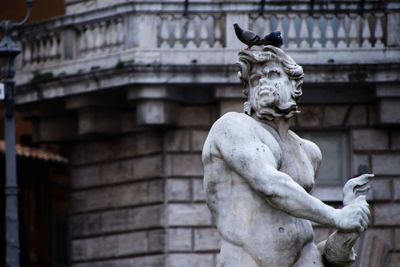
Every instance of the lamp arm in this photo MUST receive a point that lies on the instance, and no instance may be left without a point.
(27, 15)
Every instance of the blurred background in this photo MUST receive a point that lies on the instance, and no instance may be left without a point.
(115, 100)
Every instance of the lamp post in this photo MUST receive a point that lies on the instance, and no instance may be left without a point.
(8, 51)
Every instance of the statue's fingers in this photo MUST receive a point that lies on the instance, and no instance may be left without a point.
(360, 229)
(364, 223)
(362, 179)
(364, 219)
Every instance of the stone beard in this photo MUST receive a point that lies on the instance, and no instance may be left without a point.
(258, 175)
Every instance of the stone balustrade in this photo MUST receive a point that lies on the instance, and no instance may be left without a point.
(108, 35)
(208, 29)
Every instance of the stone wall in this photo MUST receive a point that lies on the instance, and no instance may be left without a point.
(136, 174)
(138, 199)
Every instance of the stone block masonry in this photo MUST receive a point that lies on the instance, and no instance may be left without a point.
(138, 199)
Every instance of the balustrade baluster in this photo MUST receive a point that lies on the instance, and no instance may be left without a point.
(217, 32)
(304, 35)
(47, 49)
(279, 26)
(103, 35)
(27, 51)
(164, 32)
(316, 32)
(353, 31)
(97, 37)
(379, 32)
(341, 32)
(120, 31)
(178, 23)
(191, 33)
(292, 31)
(204, 36)
(266, 25)
(90, 39)
(42, 49)
(33, 45)
(366, 33)
(114, 37)
(329, 32)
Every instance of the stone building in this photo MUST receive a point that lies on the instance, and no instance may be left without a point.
(129, 89)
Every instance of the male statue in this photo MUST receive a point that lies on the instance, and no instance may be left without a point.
(258, 175)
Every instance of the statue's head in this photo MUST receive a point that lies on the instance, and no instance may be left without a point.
(272, 82)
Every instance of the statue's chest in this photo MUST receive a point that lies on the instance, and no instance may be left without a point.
(297, 163)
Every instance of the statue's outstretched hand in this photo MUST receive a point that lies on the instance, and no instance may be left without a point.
(355, 187)
(354, 216)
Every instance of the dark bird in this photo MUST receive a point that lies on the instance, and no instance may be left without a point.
(250, 38)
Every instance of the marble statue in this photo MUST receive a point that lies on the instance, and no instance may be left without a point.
(258, 175)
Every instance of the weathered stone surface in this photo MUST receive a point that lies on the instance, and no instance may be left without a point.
(389, 111)
(386, 214)
(394, 259)
(185, 260)
(179, 239)
(185, 165)
(179, 190)
(369, 139)
(117, 172)
(54, 129)
(147, 167)
(156, 240)
(99, 120)
(118, 196)
(198, 190)
(396, 237)
(194, 116)
(206, 239)
(197, 140)
(141, 261)
(358, 162)
(85, 176)
(395, 140)
(117, 220)
(155, 112)
(381, 189)
(255, 173)
(178, 140)
(396, 188)
(230, 105)
(386, 164)
(375, 248)
(188, 215)
(110, 246)
(310, 117)
(137, 144)
(142, 143)
(334, 115)
(358, 116)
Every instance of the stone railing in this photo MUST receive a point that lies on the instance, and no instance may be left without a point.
(340, 30)
(206, 27)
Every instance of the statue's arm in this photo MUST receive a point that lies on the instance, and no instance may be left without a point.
(255, 162)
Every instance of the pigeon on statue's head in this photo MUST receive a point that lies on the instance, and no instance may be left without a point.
(250, 38)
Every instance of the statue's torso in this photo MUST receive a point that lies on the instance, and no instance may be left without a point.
(245, 219)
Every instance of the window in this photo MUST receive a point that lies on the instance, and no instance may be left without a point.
(334, 167)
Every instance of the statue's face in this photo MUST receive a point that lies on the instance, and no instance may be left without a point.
(271, 91)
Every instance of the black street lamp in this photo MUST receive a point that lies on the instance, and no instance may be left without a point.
(8, 51)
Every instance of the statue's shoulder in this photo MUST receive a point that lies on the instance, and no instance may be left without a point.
(310, 147)
(231, 126)
(233, 120)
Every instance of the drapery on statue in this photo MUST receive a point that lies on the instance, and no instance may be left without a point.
(258, 175)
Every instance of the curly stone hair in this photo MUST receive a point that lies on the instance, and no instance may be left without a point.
(247, 58)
